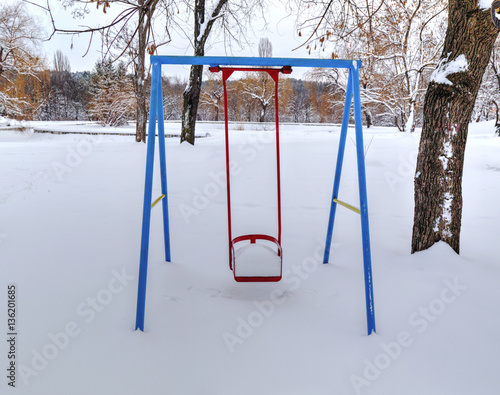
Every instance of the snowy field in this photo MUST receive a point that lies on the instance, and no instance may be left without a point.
(70, 222)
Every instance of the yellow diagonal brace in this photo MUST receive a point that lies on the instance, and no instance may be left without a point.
(157, 200)
(355, 209)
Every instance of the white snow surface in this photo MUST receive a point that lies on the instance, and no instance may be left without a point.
(255, 260)
(485, 4)
(70, 228)
(445, 68)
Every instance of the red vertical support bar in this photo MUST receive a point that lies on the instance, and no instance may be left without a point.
(274, 73)
(225, 75)
(275, 76)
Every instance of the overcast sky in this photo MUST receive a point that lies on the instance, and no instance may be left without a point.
(280, 31)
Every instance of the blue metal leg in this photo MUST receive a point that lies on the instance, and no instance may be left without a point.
(163, 172)
(146, 215)
(363, 201)
(338, 168)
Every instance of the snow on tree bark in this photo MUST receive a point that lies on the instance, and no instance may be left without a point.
(448, 107)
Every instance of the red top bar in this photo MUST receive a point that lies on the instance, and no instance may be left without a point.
(284, 69)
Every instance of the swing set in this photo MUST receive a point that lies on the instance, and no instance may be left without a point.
(245, 270)
(246, 257)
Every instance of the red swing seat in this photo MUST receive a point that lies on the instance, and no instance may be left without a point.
(260, 260)
(256, 262)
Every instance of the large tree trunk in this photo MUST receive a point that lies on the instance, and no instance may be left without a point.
(262, 115)
(193, 88)
(202, 27)
(140, 70)
(142, 118)
(368, 117)
(191, 101)
(140, 95)
(448, 106)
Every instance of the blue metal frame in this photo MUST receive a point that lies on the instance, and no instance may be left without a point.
(261, 62)
(156, 115)
(338, 167)
(352, 91)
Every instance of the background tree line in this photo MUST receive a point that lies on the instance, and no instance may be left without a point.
(399, 44)
(106, 95)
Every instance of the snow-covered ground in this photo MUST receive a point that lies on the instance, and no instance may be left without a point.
(70, 222)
